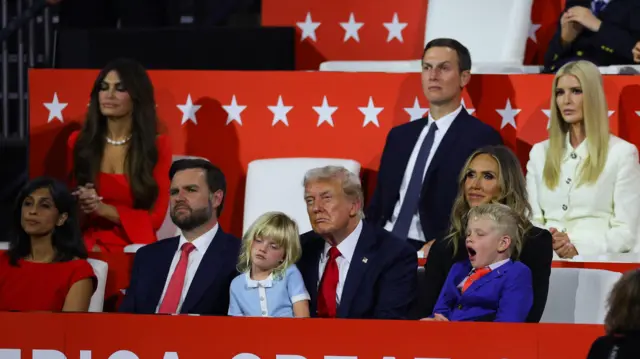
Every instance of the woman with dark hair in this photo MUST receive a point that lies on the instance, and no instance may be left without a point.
(120, 162)
(622, 322)
(492, 174)
(45, 268)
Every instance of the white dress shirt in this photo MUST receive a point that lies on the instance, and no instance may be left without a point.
(346, 248)
(599, 218)
(415, 230)
(195, 257)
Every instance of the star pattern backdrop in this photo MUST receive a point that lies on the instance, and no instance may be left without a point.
(379, 29)
(301, 114)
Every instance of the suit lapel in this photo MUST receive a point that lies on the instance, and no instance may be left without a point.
(489, 277)
(363, 256)
(206, 273)
(448, 142)
(312, 271)
(162, 266)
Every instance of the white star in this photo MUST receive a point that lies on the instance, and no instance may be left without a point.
(324, 112)
(469, 110)
(548, 114)
(234, 111)
(189, 111)
(416, 112)
(280, 112)
(370, 113)
(351, 28)
(508, 115)
(395, 28)
(533, 28)
(55, 108)
(308, 28)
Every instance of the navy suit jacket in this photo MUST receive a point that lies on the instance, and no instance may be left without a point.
(382, 278)
(209, 290)
(502, 295)
(612, 44)
(440, 185)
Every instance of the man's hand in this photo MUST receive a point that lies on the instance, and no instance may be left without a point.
(584, 17)
(569, 29)
(427, 246)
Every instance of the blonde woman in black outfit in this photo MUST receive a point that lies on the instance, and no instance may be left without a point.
(491, 174)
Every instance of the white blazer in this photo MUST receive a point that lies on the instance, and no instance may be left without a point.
(598, 218)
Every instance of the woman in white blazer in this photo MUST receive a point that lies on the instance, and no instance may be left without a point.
(583, 182)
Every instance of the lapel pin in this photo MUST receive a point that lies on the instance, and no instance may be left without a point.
(364, 260)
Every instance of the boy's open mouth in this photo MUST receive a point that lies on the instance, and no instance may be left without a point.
(472, 253)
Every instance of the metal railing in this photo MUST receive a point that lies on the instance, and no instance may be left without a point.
(25, 16)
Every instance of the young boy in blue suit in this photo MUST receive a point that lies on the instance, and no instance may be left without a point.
(490, 286)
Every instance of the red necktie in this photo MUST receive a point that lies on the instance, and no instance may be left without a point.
(171, 298)
(328, 285)
(477, 274)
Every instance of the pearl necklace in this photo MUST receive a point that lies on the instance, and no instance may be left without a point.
(118, 143)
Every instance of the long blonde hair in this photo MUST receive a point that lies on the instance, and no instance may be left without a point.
(596, 126)
(281, 229)
(513, 191)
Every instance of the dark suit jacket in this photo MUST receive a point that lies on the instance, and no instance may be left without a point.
(381, 281)
(625, 345)
(611, 45)
(440, 185)
(537, 254)
(209, 290)
(502, 295)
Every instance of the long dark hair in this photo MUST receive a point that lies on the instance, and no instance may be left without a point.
(142, 155)
(67, 239)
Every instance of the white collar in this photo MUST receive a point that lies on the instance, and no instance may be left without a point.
(348, 245)
(265, 283)
(445, 121)
(494, 266)
(201, 243)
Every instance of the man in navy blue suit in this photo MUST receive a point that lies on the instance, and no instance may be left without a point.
(190, 273)
(351, 268)
(422, 159)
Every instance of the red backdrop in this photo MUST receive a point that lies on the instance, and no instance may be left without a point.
(188, 337)
(329, 43)
(232, 145)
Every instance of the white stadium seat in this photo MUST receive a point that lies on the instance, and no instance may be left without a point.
(276, 185)
(494, 31)
(100, 268)
(578, 295)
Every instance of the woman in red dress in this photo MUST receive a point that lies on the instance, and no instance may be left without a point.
(119, 161)
(45, 268)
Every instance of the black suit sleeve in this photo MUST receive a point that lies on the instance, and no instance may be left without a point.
(537, 255)
(128, 304)
(617, 40)
(555, 50)
(398, 286)
(373, 212)
(437, 268)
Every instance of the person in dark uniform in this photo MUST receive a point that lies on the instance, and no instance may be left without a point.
(622, 322)
(604, 32)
